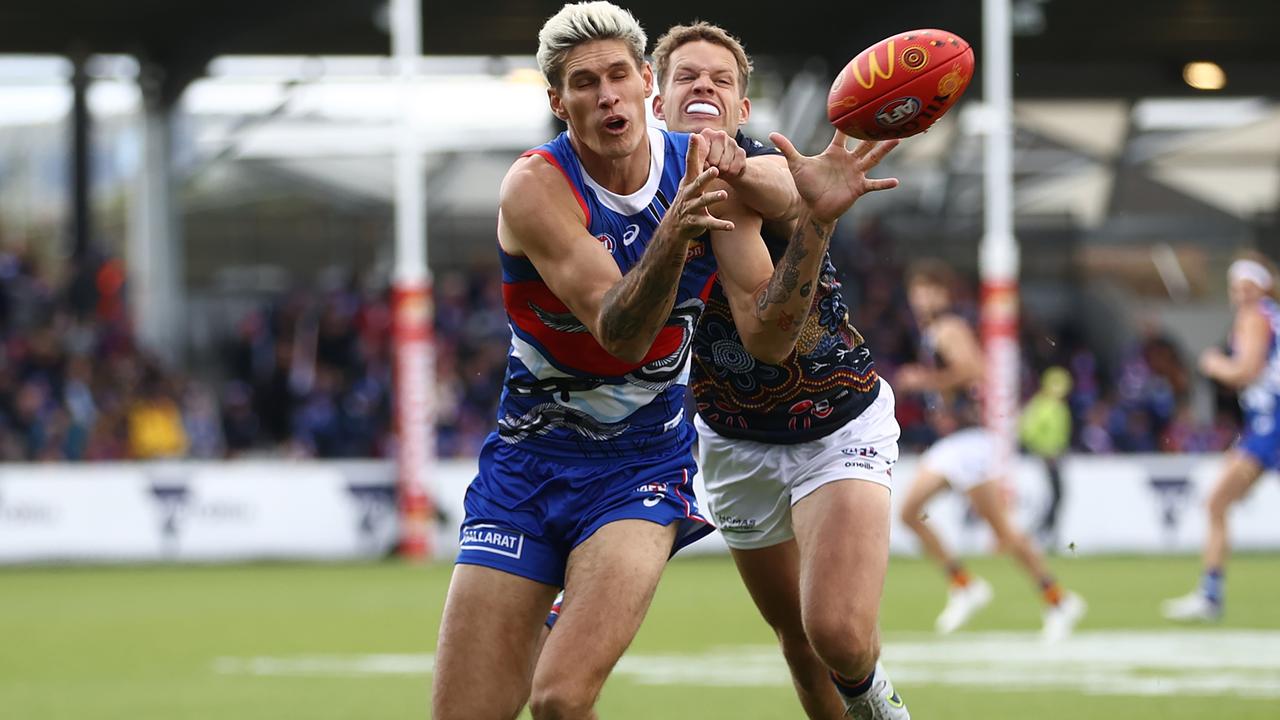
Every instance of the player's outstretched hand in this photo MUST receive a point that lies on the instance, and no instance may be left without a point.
(688, 215)
(832, 181)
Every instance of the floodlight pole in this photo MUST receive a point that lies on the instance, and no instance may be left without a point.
(998, 255)
(412, 309)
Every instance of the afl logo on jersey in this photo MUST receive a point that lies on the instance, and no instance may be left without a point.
(607, 241)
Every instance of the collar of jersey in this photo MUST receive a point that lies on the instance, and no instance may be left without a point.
(640, 199)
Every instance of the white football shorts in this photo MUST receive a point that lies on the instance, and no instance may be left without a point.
(751, 486)
(963, 458)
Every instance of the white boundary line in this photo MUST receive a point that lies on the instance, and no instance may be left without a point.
(1241, 663)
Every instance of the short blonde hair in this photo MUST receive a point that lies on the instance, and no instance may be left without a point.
(705, 31)
(577, 23)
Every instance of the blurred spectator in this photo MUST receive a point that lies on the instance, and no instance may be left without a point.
(1095, 437)
(317, 370)
(308, 372)
(202, 423)
(155, 422)
(70, 377)
(1184, 435)
(241, 426)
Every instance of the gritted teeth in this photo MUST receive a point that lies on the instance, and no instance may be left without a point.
(702, 108)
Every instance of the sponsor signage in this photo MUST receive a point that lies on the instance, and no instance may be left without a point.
(233, 511)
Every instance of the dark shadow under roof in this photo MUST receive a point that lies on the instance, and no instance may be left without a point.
(1084, 48)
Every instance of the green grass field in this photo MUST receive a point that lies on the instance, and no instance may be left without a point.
(354, 641)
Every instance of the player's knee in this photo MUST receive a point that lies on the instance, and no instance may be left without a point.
(1218, 504)
(561, 700)
(912, 515)
(845, 643)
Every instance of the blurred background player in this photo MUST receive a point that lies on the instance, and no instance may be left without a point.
(962, 458)
(586, 484)
(1253, 367)
(1045, 431)
(778, 432)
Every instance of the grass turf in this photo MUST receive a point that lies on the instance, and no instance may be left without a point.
(143, 643)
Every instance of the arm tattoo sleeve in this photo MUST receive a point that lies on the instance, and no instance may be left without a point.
(810, 239)
(640, 303)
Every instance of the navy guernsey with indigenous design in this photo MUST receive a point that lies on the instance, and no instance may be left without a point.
(564, 396)
(828, 380)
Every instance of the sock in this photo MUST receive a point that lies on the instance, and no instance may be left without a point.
(1050, 591)
(851, 689)
(554, 615)
(958, 575)
(1211, 585)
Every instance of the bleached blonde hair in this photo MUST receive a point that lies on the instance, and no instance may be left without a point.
(577, 23)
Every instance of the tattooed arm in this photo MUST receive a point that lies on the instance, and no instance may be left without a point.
(769, 304)
(539, 218)
(769, 315)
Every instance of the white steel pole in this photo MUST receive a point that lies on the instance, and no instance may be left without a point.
(412, 307)
(998, 255)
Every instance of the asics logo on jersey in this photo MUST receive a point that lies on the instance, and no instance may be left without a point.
(630, 234)
(659, 489)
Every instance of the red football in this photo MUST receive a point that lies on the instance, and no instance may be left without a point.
(901, 85)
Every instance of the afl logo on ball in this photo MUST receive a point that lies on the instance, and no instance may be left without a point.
(897, 112)
(607, 241)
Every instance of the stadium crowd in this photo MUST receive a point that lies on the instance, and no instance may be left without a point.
(308, 373)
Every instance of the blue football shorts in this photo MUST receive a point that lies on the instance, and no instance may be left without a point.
(1261, 439)
(525, 512)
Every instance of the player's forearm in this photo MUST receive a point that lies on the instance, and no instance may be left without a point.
(784, 303)
(953, 378)
(767, 188)
(1238, 375)
(635, 309)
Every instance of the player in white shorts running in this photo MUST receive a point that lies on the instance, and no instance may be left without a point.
(961, 459)
(796, 451)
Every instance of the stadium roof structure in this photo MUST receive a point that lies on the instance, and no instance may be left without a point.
(1063, 48)
(1112, 143)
